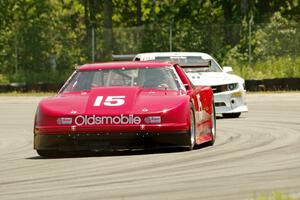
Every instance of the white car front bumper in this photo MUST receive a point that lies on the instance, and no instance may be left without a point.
(230, 102)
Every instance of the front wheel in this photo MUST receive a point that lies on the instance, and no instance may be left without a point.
(213, 124)
(192, 132)
(231, 115)
(47, 153)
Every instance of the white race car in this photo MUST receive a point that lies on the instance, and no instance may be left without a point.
(203, 69)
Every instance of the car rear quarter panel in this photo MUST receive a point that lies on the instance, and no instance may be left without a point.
(201, 98)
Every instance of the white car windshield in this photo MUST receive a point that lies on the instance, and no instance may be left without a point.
(156, 78)
(192, 63)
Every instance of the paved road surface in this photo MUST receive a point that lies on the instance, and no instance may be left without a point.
(255, 154)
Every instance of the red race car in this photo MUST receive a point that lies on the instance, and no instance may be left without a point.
(125, 106)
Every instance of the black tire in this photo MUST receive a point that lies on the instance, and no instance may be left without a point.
(214, 124)
(47, 153)
(231, 115)
(192, 131)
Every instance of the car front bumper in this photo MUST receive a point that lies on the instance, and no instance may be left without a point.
(230, 102)
(109, 141)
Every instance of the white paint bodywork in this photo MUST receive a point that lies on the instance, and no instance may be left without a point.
(232, 101)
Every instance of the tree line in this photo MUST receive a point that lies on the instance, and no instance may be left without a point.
(42, 41)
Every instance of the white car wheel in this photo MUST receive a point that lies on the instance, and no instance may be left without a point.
(231, 115)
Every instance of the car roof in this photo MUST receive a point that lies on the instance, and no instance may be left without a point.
(131, 64)
(154, 54)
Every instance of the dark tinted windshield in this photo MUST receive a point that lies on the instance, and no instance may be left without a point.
(158, 78)
(195, 62)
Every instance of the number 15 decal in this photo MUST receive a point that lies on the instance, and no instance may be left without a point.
(110, 101)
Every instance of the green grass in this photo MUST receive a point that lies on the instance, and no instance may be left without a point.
(273, 92)
(283, 67)
(37, 94)
(274, 196)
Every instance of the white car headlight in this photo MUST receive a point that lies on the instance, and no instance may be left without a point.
(232, 86)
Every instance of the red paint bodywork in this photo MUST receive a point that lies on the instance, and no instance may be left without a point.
(173, 107)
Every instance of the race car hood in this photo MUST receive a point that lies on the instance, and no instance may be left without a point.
(131, 100)
(214, 78)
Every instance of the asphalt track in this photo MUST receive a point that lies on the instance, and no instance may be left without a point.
(256, 154)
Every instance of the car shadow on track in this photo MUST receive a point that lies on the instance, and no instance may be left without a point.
(116, 153)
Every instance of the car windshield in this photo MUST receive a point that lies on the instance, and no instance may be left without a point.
(192, 63)
(156, 78)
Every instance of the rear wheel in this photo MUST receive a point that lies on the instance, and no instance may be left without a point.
(231, 115)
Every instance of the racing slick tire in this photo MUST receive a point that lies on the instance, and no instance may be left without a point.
(192, 131)
(214, 126)
(47, 153)
(231, 115)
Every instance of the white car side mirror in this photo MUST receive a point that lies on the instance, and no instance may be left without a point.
(227, 69)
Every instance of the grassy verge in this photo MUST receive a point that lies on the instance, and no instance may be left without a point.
(273, 92)
(37, 94)
(282, 67)
(275, 196)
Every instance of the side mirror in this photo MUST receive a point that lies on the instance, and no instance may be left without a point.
(186, 86)
(227, 69)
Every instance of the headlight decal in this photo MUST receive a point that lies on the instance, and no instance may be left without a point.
(152, 120)
(64, 121)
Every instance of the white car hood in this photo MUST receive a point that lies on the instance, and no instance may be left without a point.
(214, 78)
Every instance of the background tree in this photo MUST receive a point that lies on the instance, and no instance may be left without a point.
(108, 32)
(41, 41)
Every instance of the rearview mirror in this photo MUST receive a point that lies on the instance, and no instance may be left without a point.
(227, 69)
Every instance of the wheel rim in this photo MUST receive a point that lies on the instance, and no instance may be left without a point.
(192, 129)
